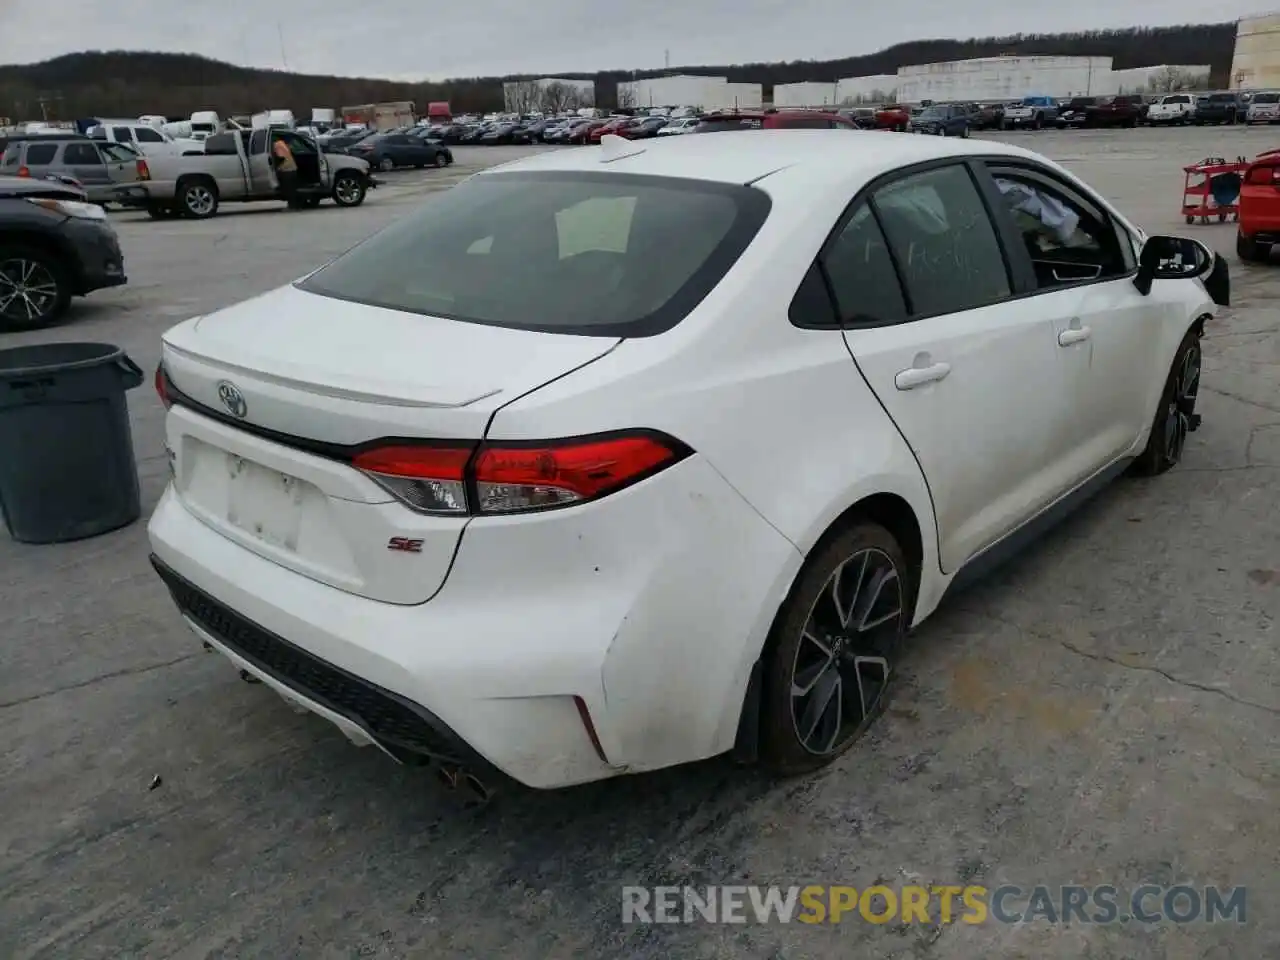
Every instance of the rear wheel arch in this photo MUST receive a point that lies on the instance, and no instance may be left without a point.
(888, 510)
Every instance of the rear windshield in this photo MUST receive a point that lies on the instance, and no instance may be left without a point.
(592, 253)
(721, 124)
(1222, 98)
(1267, 98)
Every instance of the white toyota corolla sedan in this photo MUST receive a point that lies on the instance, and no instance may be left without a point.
(613, 459)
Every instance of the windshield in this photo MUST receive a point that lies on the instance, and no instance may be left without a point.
(566, 252)
(931, 113)
(1267, 98)
(1222, 98)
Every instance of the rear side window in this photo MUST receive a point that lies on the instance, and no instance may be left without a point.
(860, 274)
(116, 153)
(11, 154)
(41, 154)
(721, 124)
(81, 154)
(147, 135)
(943, 241)
(122, 134)
(566, 252)
(805, 123)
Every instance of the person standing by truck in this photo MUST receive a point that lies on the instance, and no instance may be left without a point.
(286, 168)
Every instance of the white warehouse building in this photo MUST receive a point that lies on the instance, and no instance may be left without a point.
(1255, 64)
(709, 93)
(808, 94)
(738, 96)
(878, 87)
(1010, 78)
(1004, 78)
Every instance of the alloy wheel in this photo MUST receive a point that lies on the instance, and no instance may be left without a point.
(843, 661)
(28, 291)
(199, 200)
(1182, 403)
(347, 189)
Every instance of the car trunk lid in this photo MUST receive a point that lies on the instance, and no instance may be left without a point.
(273, 398)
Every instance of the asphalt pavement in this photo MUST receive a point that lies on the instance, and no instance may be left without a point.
(1102, 711)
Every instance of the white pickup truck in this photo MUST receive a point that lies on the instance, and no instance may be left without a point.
(143, 137)
(1175, 108)
(238, 167)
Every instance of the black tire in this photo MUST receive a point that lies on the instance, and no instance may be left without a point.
(1039, 124)
(1250, 250)
(45, 280)
(198, 198)
(1176, 414)
(438, 160)
(386, 164)
(861, 660)
(349, 189)
(161, 211)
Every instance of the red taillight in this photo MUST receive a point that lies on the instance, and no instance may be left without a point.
(144, 172)
(162, 387)
(429, 478)
(499, 478)
(24, 171)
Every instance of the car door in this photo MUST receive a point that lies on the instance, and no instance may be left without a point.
(83, 161)
(40, 158)
(967, 372)
(1083, 264)
(262, 171)
(121, 162)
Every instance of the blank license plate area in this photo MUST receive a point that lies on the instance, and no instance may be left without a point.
(264, 503)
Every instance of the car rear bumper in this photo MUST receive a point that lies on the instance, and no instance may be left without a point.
(643, 612)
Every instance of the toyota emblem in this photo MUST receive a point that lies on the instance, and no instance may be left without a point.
(232, 399)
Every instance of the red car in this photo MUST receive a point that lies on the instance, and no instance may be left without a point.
(774, 120)
(617, 126)
(1259, 201)
(583, 131)
(893, 117)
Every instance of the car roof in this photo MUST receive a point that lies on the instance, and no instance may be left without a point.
(45, 137)
(20, 186)
(746, 156)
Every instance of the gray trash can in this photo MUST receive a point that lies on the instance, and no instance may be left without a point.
(66, 451)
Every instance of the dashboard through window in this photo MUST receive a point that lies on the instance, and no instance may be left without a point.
(1068, 239)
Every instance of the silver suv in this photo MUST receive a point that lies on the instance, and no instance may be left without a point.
(103, 169)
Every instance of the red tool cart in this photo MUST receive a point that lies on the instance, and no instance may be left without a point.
(1212, 188)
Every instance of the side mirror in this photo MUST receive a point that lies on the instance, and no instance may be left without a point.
(1180, 258)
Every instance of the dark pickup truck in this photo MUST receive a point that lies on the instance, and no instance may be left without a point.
(1220, 108)
(1075, 112)
(1115, 112)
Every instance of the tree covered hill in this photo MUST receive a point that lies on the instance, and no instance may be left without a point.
(126, 83)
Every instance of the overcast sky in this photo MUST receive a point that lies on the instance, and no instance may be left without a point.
(412, 40)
